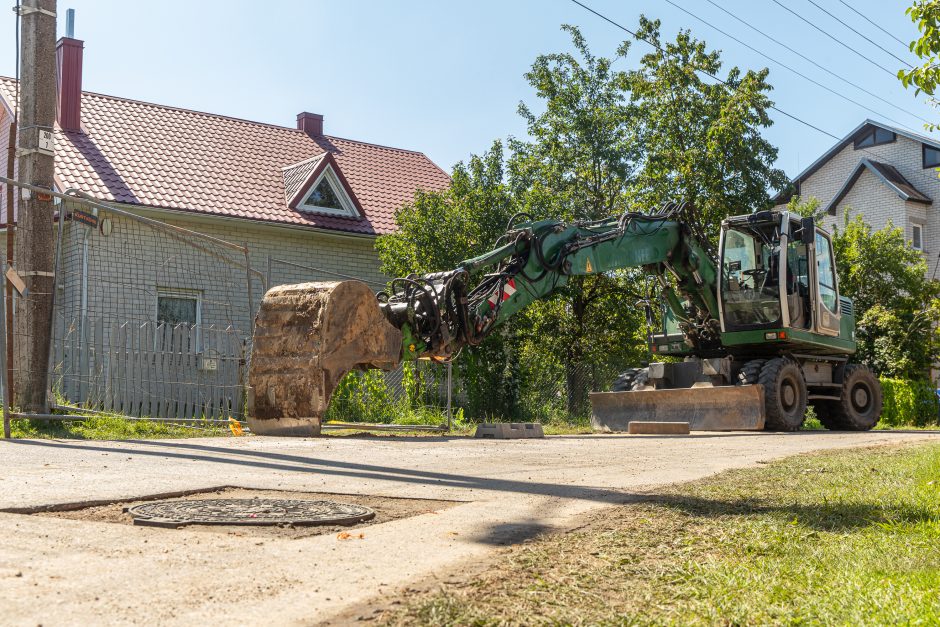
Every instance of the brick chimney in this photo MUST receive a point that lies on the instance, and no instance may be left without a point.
(69, 82)
(310, 123)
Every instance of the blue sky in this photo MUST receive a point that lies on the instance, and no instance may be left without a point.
(446, 77)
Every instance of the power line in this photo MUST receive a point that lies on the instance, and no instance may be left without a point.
(838, 41)
(821, 67)
(785, 66)
(875, 24)
(863, 36)
(708, 74)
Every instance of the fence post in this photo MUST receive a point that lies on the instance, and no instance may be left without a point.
(450, 381)
(270, 271)
(4, 379)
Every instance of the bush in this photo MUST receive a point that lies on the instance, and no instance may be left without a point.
(909, 403)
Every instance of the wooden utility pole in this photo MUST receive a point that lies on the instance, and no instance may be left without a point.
(34, 257)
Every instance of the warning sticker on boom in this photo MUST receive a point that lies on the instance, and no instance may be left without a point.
(508, 290)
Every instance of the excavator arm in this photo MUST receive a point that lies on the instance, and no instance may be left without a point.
(441, 313)
(308, 336)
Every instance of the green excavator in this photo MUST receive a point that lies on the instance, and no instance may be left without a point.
(752, 333)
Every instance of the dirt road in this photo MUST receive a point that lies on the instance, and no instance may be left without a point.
(76, 569)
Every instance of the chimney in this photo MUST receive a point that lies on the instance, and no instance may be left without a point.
(310, 123)
(68, 53)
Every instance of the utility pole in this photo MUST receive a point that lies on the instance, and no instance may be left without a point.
(35, 238)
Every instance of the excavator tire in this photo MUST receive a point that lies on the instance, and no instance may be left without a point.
(624, 382)
(784, 394)
(860, 406)
(750, 372)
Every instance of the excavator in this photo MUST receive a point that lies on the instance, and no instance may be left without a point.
(751, 333)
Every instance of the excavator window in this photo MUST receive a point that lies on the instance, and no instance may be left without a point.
(750, 286)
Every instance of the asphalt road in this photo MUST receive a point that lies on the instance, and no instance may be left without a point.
(55, 571)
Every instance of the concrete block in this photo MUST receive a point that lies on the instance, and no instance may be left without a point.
(659, 428)
(510, 430)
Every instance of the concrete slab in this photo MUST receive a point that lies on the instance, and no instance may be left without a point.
(64, 571)
(722, 408)
(510, 430)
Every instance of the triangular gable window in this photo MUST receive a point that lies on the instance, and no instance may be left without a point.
(327, 195)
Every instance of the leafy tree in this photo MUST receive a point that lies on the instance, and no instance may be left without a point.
(439, 230)
(702, 140)
(577, 163)
(896, 304)
(926, 14)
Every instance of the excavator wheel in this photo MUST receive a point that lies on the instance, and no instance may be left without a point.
(750, 372)
(624, 382)
(860, 406)
(784, 394)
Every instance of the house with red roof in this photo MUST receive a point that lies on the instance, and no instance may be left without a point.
(294, 193)
(153, 320)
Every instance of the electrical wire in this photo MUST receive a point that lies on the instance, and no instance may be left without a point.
(817, 65)
(875, 24)
(833, 38)
(862, 35)
(787, 67)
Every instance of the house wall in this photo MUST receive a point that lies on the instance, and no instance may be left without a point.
(5, 119)
(872, 199)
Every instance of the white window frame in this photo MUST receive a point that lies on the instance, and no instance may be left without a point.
(914, 243)
(174, 292)
(348, 209)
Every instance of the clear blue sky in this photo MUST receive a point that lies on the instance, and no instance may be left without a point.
(446, 77)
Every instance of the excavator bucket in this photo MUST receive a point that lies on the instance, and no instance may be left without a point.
(706, 408)
(307, 336)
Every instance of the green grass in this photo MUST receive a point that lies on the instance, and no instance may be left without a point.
(841, 538)
(112, 427)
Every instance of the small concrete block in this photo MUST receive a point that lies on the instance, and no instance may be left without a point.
(510, 430)
(659, 428)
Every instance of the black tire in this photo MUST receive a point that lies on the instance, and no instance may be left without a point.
(860, 406)
(624, 382)
(750, 372)
(784, 394)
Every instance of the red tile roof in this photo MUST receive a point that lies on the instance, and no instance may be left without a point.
(157, 156)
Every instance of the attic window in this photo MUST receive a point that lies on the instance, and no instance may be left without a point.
(327, 195)
(874, 137)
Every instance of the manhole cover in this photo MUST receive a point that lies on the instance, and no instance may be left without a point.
(248, 512)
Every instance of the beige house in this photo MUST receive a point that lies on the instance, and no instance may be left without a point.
(882, 173)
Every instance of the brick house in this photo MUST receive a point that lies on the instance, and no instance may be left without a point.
(881, 173)
(148, 321)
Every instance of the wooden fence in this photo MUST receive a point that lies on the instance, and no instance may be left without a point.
(149, 369)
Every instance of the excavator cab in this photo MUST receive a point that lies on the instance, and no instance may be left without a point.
(777, 282)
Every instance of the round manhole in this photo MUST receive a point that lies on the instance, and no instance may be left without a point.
(248, 512)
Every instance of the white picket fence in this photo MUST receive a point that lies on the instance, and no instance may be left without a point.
(149, 369)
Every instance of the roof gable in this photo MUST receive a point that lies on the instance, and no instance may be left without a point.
(785, 196)
(151, 155)
(306, 177)
(888, 175)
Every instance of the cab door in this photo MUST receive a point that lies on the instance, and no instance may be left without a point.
(828, 314)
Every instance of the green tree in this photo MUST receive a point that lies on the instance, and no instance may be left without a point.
(702, 140)
(926, 15)
(896, 303)
(579, 159)
(439, 230)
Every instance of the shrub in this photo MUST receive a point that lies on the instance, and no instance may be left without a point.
(909, 403)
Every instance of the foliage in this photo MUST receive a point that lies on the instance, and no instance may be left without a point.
(896, 304)
(114, 427)
(909, 403)
(810, 208)
(926, 14)
(701, 140)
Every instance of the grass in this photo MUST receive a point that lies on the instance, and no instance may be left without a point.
(848, 537)
(112, 427)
